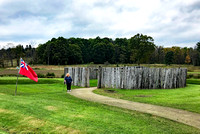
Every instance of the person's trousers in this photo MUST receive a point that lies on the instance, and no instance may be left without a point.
(68, 86)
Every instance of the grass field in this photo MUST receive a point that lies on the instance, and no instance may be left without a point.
(194, 72)
(187, 98)
(93, 83)
(45, 108)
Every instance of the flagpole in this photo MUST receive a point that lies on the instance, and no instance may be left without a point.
(16, 85)
(17, 78)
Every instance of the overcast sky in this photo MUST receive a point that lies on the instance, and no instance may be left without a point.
(169, 22)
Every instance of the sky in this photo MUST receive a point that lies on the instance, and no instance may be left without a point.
(169, 22)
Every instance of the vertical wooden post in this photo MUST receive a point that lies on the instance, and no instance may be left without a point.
(87, 77)
(99, 77)
(16, 84)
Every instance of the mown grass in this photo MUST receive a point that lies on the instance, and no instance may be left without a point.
(93, 83)
(194, 72)
(45, 108)
(187, 98)
(193, 81)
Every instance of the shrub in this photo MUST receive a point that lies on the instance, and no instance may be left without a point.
(9, 75)
(50, 75)
(198, 76)
(40, 75)
(190, 76)
(193, 81)
(63, 75)
(190, 70)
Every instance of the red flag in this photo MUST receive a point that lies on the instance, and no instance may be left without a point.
(27, 71)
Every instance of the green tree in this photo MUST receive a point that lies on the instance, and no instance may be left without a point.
(40, 53)
(99, 53)
(169, 57)
(2, 57)
(121, 51)
(10, 52)
(158, 56)
(103, 52)
(198, 46)
(61, 50)
(53, 52)
(195, 56)
(19, 51)
(75, 54)
(179, 55)
(141, 46)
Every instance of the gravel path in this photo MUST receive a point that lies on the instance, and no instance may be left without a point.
(189, 118)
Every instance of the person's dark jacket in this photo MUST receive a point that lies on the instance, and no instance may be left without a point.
(68, 79)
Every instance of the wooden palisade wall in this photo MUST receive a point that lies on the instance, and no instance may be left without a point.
(141, 78)
(80, 75)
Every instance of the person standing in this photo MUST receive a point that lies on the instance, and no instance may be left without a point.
(68, 82)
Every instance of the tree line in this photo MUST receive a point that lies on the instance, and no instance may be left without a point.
(139, 49)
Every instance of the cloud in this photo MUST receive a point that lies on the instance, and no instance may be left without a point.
(168, 22)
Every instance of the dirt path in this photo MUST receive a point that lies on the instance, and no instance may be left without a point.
(178, 115)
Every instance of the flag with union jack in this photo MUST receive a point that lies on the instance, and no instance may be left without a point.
(27, 71)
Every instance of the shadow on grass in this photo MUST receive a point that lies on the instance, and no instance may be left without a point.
(193, 81)
(27, 81)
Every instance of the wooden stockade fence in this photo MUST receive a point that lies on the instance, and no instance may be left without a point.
(93, 72)
(141, 78)
(129, 77)
(80, 75)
